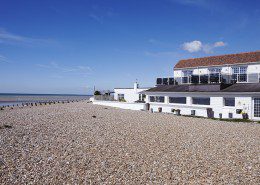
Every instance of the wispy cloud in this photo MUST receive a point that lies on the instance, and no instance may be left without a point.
(3, 59)
(199, 3)
(196, 46)
(96, 17)
(100, 13)
(65, 69)
(157, 42)
(11, 38)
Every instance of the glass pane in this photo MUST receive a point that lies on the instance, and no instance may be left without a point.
(171, 81)
(243, 70)
(229, 102)
(201, 101)
(181, 100)
(152, 99)
(165, 81)
(159, 81)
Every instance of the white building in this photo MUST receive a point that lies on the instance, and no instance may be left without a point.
(219, 86)
(130, 95)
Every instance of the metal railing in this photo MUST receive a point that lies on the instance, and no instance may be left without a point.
(211, 78)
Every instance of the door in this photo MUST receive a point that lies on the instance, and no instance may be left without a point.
(257, 108)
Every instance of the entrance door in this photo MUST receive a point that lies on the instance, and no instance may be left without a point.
(257, 108)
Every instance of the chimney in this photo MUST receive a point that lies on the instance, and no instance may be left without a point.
(136, 86)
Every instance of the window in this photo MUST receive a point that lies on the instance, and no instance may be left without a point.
(215, 75)
(215, 70)
(159, 99)
(257, 107)
(121, 97)
(201, 101)
(187, 72)
(186, 76)
(239, 73)
(165, 81)
(142, 97)
(230, 102)
(180, 100)
(159, 81)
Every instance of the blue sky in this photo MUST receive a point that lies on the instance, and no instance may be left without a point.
(70, 46)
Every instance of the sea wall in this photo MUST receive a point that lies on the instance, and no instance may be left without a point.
(122, 105)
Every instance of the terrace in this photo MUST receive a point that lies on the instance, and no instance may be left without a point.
(211, 78)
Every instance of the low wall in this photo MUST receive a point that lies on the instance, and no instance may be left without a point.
(122, 105)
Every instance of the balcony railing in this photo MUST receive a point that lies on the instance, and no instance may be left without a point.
(211, 78)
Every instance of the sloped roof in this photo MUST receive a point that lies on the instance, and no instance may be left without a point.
(238, 87)
(243, 87)
(189, 88)
(240, 58)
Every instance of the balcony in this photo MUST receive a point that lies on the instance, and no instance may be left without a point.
(211, 78)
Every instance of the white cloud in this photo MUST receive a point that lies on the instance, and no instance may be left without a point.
(193, 46)
(7, 37)
(196, 46)
(219, 44)
(3, 59)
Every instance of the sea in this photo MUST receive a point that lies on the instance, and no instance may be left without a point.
(12, 99)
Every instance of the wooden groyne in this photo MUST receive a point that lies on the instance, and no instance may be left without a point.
(41, 103)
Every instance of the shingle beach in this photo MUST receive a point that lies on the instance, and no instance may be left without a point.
(82, 143)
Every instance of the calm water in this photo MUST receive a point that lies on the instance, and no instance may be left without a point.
(14, 99)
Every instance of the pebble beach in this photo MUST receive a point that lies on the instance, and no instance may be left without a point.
(82, 143)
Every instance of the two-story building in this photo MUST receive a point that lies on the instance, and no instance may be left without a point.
(226, 86)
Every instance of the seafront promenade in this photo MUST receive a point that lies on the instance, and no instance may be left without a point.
(82, 143)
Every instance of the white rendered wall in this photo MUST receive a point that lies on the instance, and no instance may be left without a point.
(130, 95)
(226, 69)
(122, 105)
(244, 102)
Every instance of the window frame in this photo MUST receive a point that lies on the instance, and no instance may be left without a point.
(200, 98)
(214, 70)
(240, 73)
(171, 97)
(157, 99)
(120, 96)
(225, 105)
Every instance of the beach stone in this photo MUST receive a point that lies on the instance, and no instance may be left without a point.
(63, 144)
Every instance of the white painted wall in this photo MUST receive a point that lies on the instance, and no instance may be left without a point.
(130, 94)
(244, 102)
(122, 105)
(226, 69)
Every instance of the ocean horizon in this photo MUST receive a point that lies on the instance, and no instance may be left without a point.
(10, 99)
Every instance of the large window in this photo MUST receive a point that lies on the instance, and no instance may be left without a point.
(159, 99)
(201, 101)
(215, 75)
(180, 100)
(239, 73)
(186, 76)
(230, 102)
